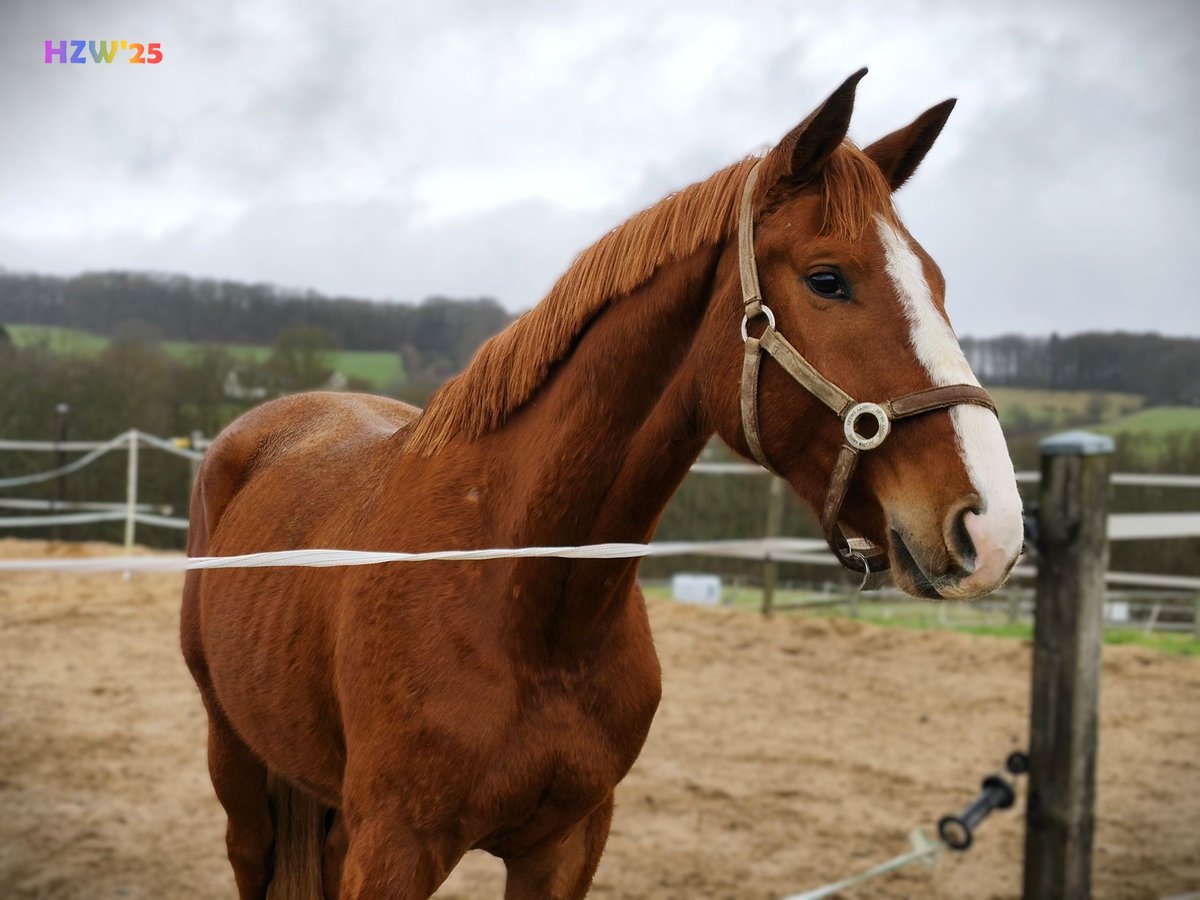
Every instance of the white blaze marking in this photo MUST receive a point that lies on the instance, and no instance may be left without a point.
(980, 440)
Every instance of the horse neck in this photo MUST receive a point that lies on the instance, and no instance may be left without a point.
(596, 455)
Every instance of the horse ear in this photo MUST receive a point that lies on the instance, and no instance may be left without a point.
(899, 154)
(805, 149)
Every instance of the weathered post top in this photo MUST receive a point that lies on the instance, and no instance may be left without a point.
(1077, 443)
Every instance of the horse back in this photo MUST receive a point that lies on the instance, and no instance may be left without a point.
(285, 449)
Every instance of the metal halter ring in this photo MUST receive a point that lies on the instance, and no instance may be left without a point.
(862, 586)
(856, 412)
(765, 311)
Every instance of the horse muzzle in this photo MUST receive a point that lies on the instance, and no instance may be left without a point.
(972, 556)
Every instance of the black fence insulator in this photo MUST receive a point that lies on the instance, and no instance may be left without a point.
(959, 831)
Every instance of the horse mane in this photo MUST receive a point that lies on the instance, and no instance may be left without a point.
(510, 367)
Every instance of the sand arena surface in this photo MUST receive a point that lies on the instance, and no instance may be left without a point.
(786, 754)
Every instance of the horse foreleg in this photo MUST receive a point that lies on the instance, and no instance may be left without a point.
(561, 869)
(386, 860)
(240, 781)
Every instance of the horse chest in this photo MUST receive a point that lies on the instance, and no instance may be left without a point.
(595, 720)
(584, 738)
(565, 759)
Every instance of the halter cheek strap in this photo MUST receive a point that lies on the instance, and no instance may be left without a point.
(850, 411)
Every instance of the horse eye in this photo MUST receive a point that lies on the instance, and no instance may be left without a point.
(828, 284)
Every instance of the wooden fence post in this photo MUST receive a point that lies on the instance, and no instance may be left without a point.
(131, 489)
(131, 493)
(1067, 635)
(774, 526)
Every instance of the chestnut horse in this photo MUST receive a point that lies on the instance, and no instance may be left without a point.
(370, 725)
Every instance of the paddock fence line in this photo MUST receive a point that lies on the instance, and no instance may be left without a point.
(771, 550)
(131, 512)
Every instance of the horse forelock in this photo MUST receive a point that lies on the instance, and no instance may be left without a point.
(854, 194)
(510, 367)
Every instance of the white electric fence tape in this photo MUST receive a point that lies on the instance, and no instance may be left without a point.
(924, 850)
(714, 468)
(161, 521)
(87, 518)
(119, 441)
(83, 518)
(327, 558)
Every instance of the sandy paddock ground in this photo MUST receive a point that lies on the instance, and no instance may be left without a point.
(786, 754)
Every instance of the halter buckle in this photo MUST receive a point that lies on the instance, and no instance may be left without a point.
(856, 412)
(763, 310)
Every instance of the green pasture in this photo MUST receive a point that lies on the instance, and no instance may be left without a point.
(1154, 434)
(1035, 409)
(376, 366)
(380, 368)
(1157, 421)
(72, 341)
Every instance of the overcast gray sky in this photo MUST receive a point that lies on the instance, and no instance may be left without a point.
(397, 150)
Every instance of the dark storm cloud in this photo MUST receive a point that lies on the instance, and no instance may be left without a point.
(463, 148)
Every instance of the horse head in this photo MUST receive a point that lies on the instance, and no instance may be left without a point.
(862, 398)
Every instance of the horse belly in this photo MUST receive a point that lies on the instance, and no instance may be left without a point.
(269, 660)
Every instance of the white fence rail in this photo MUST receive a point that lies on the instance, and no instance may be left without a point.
(130, 512)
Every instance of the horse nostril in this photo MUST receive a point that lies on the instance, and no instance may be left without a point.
(959, 543)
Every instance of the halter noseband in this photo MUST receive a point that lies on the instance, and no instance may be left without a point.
(868, 559)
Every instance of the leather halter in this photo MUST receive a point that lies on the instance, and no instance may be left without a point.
(870, 558)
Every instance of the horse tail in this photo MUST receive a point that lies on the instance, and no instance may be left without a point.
(299, 843)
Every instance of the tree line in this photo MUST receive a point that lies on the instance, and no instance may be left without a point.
(1165, 370)
(436, 337)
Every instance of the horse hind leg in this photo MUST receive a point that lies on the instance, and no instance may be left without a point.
(275, 833)
(239, 778)
(241, 784)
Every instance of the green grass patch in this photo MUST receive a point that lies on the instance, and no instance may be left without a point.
(1176, 644)
(969, 618)
(379, 368)
(185, 350)
(1157, 421)
(67, 341)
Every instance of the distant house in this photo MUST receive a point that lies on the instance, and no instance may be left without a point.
(235, 390)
